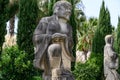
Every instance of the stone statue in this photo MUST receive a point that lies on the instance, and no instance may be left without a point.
(110, 60)
(53, 44)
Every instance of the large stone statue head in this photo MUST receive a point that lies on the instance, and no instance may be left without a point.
(109, 39)
(62, 9)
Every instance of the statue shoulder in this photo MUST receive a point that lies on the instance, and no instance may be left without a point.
(46, 19)
(43, 24)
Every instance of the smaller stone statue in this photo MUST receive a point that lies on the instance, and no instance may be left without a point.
(110, 60)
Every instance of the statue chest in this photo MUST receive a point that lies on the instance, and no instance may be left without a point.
(63, 28)
(58, 27)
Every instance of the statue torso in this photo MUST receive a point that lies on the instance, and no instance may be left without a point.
(55, 26)
(63, 28)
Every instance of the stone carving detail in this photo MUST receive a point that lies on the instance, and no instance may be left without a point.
(53, 44)
(110, 60)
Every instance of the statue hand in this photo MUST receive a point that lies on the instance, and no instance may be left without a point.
(59, 35)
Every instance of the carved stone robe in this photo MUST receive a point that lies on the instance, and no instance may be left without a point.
(110, 63)
(42, 39)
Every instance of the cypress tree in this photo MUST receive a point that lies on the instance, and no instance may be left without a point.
(3, 15)
(104, 27)
(117, 46)
(73, 23)
(108, 27)
(28, 13)
(50, 6)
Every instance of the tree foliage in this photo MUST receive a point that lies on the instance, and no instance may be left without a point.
(91, 70)
(28, 13)
(117, 42)
(50, 6)
(3, 15)
(75, 20)
(104, 28)
(86, 33)
(6, 12)
(15, 65)
(73, 23)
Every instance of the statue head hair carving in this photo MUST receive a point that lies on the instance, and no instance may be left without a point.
(59, 4)
(109, 39)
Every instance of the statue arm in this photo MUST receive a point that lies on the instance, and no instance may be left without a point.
(110, 51)
(40, 41)
(113, 58)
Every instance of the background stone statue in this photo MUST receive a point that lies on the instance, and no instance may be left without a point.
(110, 60)
(53, 44)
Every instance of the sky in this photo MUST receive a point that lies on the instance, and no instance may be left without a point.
(92, 8)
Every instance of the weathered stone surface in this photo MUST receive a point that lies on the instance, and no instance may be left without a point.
(110, 60)
(53, 44)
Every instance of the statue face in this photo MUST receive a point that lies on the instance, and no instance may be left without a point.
(109, 39)
(62, 9)
(64, 12)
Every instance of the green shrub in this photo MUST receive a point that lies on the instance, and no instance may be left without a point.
(91, 70)
(36, 78)
(14, 65)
